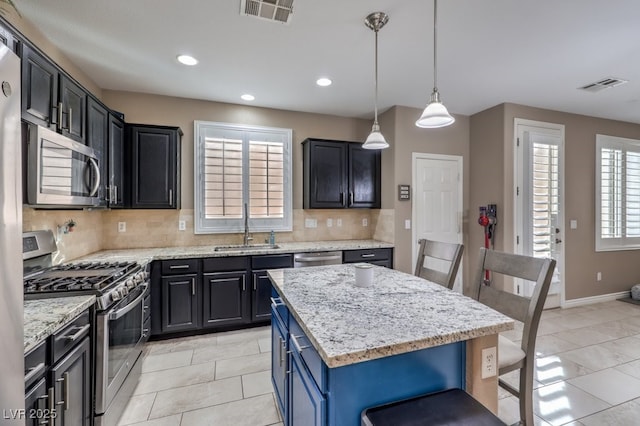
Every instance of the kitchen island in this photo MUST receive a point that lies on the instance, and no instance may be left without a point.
(338, 349)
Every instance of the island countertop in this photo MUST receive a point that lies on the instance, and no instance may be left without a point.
(43, 317)
(399, 313)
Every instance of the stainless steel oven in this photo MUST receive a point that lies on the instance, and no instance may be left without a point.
(120, 335)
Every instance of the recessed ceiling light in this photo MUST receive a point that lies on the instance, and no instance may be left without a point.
(247, 97)
(323, 82)
(187, 60)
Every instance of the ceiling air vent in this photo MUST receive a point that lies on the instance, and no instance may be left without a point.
(272, 10)
(605, 83)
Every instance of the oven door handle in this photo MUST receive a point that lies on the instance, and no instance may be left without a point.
(123, 311)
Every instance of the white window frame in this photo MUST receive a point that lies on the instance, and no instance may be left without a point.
(612, 243)
(202, 129)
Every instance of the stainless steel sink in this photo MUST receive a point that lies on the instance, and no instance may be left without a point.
(245, 247)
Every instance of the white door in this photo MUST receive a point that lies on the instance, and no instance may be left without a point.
(539, 195)
(437, 203)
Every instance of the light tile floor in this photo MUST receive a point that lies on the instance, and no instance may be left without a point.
(588, 373)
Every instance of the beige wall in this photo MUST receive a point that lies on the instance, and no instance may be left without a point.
(407, 139)
(492, 140)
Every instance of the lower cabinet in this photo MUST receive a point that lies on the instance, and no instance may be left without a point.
(306, 402)
(180, 303)
(379, 256)
(279, 361)
(58, 377)
(225, 299)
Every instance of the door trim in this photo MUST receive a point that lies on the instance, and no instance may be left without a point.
(415, 156)
(519, 180)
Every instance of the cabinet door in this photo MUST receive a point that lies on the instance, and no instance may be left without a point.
(260, 296)
(116, 163)
(74, 106)
(8, 39)
(225, 299)
(97, 133)
(306, 402)
(39, 89)
(180, 303)
(364, 177)
(154, 167)
(325, 174)
(71, 380)
(279, 362)
(37, 411)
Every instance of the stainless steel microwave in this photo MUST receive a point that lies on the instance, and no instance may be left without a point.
(60, 172)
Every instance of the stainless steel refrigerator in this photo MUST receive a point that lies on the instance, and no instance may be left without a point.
(11, 289)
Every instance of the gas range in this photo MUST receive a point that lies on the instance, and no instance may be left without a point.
(108, 281)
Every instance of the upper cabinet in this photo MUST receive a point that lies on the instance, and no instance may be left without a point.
(50, 98)
(340, 174)
(155, 166)
(8, 39)
(97, 138)
(118, 191)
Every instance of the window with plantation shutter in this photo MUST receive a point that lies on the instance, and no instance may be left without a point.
(617, 193)
(242, 165)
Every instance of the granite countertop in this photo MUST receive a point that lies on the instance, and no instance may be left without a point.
(145, 255)
(399, 313)
(43, 317)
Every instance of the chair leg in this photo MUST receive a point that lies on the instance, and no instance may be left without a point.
(526, 393)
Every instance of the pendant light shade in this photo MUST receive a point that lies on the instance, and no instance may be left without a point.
(435, 114)
(375, 140)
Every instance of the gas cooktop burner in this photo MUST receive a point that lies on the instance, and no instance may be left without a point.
(78, 276)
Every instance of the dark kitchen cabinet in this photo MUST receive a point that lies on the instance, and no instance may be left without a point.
(180, 310)
(98, 139)
(261, 288)
(72, 384)
(73, 104)
(378, 256)
(225, 299)
(340, 174)
(155, 166)
(8, 39)
(116, 165)
(39, 89)
(35, 402)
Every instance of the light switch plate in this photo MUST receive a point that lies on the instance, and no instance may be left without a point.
(329, 223)
(574, 224)
(310, 223)
(489, 362)
(122, 226)
(407, 224)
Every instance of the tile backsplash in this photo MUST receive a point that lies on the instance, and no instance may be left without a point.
(99, 229)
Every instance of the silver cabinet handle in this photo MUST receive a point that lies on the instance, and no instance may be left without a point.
(171, 196)
(116, 191)
(79, 333)
(179, 267)
(277, 301)
(70, 118)
(66, 391)
(244, 284)
(33, 372)
(193, 286)
(60, 116)
(51, 396)
(297, 345)
(350, 198)
(368, 255)
(280, 351)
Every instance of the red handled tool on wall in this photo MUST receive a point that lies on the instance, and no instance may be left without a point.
(488, 220)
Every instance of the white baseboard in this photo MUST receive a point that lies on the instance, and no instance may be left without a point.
(595, 299)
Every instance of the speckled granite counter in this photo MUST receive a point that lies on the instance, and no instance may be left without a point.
(44, 317)
(146, 255)
(399, 313)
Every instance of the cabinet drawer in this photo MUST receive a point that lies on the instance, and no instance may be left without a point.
(300, 344)
(272, 261)
(35, 364)
(70, 335)
(351, 256)
(225, 264)
(179, 266)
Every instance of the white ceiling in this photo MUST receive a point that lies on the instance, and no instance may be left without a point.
(532, 52)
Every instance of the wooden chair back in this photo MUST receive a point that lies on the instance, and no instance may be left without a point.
(449, 252)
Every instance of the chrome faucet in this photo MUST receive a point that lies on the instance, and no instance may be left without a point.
(247, 238)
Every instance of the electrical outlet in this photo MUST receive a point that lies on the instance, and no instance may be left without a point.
(365, 221)
(599, 276)
(329, 223)
(407, 224)
(489, 361)
(338, 222)
(122, 226)
(310, 223)
(182, 225)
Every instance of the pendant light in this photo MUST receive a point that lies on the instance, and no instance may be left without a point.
(435, 114)
(375, 140)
